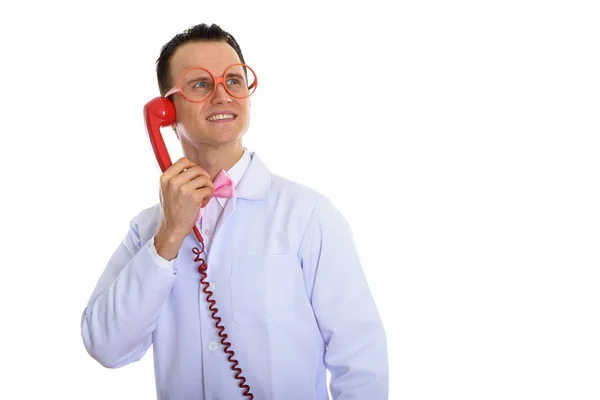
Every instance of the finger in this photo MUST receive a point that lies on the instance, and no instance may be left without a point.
(176, 168)
(203, 194)
(200, 182)
(183, 184)
(193, 172)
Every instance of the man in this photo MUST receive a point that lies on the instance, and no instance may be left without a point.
(282, 265)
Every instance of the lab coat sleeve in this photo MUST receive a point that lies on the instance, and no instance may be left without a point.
(356, 349)
(118, 321)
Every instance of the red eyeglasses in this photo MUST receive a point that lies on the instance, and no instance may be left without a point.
(198, 84)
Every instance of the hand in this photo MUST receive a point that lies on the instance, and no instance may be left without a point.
(185, 189)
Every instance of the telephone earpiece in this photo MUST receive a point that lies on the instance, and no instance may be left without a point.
(159, 112)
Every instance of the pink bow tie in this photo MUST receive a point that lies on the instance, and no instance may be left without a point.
(223, 187)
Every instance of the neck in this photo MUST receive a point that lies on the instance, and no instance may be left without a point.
(213, 158)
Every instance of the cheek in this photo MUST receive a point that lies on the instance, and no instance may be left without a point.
(189, 114)
(246, 118)
(245, 111)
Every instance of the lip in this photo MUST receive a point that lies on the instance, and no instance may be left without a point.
(223, 121)
(222, 112)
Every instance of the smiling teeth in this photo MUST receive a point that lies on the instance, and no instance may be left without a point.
(220, 116)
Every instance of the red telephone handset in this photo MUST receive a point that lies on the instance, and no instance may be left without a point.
(160, 112)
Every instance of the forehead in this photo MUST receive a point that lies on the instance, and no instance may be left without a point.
(214, 56)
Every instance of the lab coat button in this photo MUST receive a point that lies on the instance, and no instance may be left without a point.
(212, 346)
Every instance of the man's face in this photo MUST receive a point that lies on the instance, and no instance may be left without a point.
(193, 123)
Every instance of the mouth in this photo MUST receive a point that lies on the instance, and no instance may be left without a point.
(221, 118)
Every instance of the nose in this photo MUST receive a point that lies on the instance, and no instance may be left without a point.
(221, 96)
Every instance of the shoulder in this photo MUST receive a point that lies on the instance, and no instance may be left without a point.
(297, 196)
(281, 186)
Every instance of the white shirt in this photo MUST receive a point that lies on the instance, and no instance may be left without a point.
(288, 285)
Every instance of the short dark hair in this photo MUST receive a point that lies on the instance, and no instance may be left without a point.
(197, 33)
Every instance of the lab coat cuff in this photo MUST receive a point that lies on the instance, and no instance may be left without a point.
(161, 262)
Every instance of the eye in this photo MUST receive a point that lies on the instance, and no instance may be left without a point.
(233, 81)
(200, 85)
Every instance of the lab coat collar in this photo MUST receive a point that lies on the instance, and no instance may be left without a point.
(255, 182)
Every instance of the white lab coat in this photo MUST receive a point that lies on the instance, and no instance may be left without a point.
(289, 288)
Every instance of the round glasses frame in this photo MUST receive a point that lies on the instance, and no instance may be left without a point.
(179, 88)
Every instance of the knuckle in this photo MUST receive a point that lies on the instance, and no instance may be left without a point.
(182, 190)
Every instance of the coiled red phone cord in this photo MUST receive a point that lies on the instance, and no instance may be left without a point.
(202, 269)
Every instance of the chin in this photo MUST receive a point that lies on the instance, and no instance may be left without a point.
(224, 132)
(224, 137)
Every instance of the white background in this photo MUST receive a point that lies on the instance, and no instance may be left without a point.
(459, 139)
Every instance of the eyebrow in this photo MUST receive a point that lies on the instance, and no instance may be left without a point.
(200, 78)
(235, 75)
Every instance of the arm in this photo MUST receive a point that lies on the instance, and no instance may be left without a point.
(117, 324)
(348, 319)
(121, 315)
